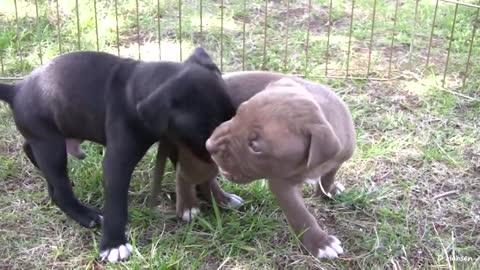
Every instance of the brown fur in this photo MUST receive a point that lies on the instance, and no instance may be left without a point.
(293, 131)
(191, 173)
(290, 132)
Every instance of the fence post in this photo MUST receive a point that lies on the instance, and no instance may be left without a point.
(17, 38)
(350, 38)
(450, 44)
(265, 36)
(393, 39)
(79, 47)
(330, 10)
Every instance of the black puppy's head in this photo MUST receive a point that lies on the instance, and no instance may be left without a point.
(189, 106)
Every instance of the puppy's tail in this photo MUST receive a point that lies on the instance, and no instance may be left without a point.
(7, 92)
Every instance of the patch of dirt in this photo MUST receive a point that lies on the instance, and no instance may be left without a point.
(297, 15)
(131, 37)
(243, 18)
(473, 156)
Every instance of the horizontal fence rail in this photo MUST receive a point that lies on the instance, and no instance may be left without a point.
(376, 40)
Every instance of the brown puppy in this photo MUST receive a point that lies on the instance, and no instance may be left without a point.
(241, 86)
(288, 133)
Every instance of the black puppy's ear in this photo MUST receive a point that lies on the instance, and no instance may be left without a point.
(155, 110)
(201, 57)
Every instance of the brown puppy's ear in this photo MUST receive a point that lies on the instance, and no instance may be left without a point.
(256, 145)
(201, 57)
(324, 145)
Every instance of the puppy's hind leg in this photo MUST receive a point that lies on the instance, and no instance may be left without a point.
(51, 156)
(326, 187)
(27, 148)
(222, 198)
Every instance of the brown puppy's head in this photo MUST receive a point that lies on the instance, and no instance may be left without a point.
(279, 133)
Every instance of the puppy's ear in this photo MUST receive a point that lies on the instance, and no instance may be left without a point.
(324, 145)
(155, 110)
(201, 57)
(256, 144)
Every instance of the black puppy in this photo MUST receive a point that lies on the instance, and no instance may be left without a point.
(124, 104)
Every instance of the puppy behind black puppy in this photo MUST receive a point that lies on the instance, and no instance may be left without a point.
(124, 104)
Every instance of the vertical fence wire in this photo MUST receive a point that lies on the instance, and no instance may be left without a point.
(17, 38)
(159, 30)
(138, 28)
(79, 47)
(431, 34)
(285, 60)
(243, 27)
(328, 36)
(350, 37)
(180, 27)
(393, 39)
(222, 7)
(38, 35)
(350, 55)
(475, 24)
(412, 37)
(201, 21)
(116, 25)
(96, 23)
(450, 44)
(59, 33)
(307, 40)
(265, 36)
(1, 62)
(371, 37)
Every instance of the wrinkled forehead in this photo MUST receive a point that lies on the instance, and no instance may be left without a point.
(282, 104)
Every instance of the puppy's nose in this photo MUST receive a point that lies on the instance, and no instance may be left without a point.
(210, 146)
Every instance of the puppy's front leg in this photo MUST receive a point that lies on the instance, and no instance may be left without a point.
(122, 155)
(316, 241)
(159, 170)
(165, 149)
(187, 207)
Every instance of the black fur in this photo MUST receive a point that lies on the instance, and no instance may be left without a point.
(124, 104)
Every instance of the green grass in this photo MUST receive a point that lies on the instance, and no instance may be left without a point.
(412, 195)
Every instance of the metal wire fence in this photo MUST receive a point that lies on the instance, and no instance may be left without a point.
(377, 40)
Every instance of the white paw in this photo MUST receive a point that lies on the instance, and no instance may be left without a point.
(312, 181)
(235, 201)
(189, 214)
(332, 250)
(94, 223)
(120, 253)
(340, 187)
